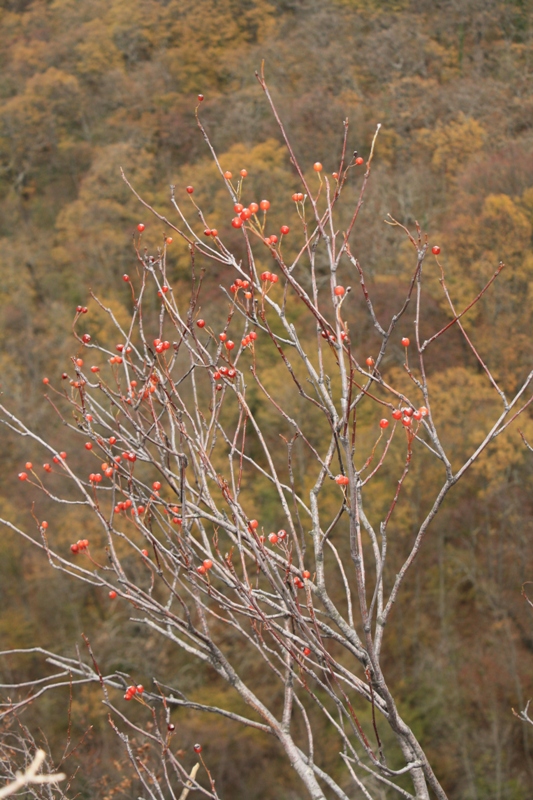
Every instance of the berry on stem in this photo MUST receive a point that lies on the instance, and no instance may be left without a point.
(435, 249)
(317, 166)
(405, 342)
(384, 423)
(190, 189)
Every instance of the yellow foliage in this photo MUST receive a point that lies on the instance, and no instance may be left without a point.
(451, 146)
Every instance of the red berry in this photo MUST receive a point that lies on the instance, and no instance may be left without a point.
(273, 239)
(342, 480)
(317, 166)
(86, 338)
(168, 241)
(245, 214)
(112, 594)
(236, 222)
(46, 380)
(88, 445)
(171, 727)
(306, 651)
(435, 249)
(406, 421)
(295, 197)
(207, 232)
(200, 98)
(208, 563)
(339, 291)
(197, 748)
(238, 207)
(284, 229)
(95, 369)
(405, 342)
(370, 361)
(23, 476)
(244, 173)
(254, 208)
(306, 574)
(44, 525)
(253, 524)
(264, 205)
(190, 189)
(140, 688)
(417, 415)
(230, 345)
(145, 553)
(156, 485)
(214, 233)
(228, 176)
(74, 548)
(47, 467)
(63, 454)
(359, 160)
(265, 276)
(201, 569)
(140, 227)
(253, 336)
(423, 410)
(397, 414)
(384, 423)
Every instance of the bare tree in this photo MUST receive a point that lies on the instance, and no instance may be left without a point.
(172, 421)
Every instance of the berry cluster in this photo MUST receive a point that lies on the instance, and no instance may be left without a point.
(79, 546)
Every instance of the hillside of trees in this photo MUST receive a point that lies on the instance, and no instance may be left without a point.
(92, 87)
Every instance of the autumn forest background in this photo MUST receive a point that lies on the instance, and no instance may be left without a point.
(89, 87)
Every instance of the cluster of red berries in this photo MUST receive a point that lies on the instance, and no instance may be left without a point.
(79, 546)
(131, 691)
(81, 309)
(407, 415)
(342, 480)
(227, 372)
(297, 197)
(331, 337)
(123, 506)
(240, 284)
(211, 232)
(205, 566)
(228, 175)
(249, 338)
(23, 476)
(274, 538)
(95, 477)
(270, 277)
(160, 346)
